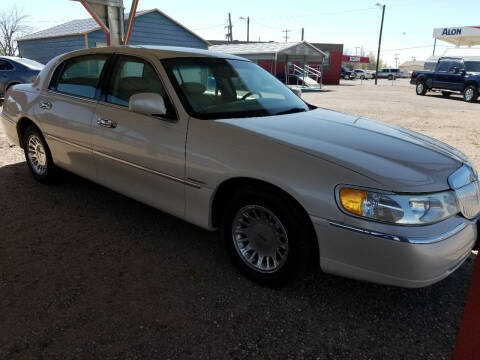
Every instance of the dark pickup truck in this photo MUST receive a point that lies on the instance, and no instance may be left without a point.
(452, 75)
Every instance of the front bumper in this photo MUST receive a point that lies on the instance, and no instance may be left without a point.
(395, 255)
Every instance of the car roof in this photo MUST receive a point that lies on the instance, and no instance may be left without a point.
(162, 52)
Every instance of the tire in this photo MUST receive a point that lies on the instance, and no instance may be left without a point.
(421, 88)
(470, 94)
(346, 77)
(390, 77)
(276, 227)
(362, 77)
(446, 93)
(38, 156)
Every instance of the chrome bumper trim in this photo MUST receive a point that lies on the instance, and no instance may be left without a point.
(410, 240)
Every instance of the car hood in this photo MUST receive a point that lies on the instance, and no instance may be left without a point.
(397, 159)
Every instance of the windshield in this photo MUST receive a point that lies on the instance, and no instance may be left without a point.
(30, 63)
(214, 88)
(472, 66)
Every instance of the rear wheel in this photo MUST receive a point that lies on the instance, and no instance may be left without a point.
(390, 77)
(38, 156)
(421, 89)
(267, 236)
(470, 94)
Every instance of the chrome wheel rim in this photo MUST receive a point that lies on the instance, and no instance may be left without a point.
(419, 88)
(469, 94)
(260, 239)
(37, 156)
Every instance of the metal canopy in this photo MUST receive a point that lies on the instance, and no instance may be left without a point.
(109, 16)
(297, 51)
(459, 36)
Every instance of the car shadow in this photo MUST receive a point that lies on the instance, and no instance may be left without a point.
(80, 262)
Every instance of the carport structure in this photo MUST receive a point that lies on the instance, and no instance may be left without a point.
(109, 16)
(281, 58)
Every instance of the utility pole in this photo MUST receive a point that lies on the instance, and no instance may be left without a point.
(397, 57)
(229, 34)
(379, 42)
(434, 46)
(248, 26)
(286, 31)
(303, 34)
(356, 50)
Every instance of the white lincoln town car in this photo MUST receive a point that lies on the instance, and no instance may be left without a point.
(216, 140)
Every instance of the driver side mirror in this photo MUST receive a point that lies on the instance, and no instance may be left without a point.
(151, 104)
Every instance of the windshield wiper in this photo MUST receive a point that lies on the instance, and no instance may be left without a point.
(292, 111)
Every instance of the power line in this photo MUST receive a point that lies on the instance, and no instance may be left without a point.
(286, 31)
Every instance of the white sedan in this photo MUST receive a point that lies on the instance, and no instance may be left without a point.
(216, 140)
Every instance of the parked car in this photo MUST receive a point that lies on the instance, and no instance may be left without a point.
(288, 184)
(15, 70)
(348, 74)
(390, 74)
(451, 76)
(405, 74)
(363, 74)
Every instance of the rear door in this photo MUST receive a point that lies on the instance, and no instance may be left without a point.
(455, 75)
(441, 77)
(138, 155)
(66, 111)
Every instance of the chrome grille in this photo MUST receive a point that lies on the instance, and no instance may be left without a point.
(468, 198)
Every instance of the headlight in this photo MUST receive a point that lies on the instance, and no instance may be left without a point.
(399, 209)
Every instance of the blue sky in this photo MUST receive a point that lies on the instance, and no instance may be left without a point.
(408, 23)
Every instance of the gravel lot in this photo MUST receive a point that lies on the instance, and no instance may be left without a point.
(86, 273)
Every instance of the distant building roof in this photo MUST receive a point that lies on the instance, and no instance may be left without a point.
(270, 50)
(417, 63)
(227, 42)
(85, 26)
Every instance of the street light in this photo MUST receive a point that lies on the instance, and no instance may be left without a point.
(379, 40)
(248, 26)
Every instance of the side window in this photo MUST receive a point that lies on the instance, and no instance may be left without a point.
(133, 76)
(80, 75)
(444, 66)
(5, 65)
(456, 64)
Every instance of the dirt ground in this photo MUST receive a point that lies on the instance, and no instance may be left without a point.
(86, 273)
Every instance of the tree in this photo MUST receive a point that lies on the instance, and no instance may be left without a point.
(373, 62)
(11, 27)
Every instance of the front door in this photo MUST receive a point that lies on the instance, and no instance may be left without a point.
(138, 155)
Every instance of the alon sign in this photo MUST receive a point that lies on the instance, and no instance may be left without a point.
(458, 31)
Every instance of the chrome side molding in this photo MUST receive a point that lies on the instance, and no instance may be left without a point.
(410, 240)
(125, 162)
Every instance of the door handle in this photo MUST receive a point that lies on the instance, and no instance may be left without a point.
(45, 105)
(107, 123)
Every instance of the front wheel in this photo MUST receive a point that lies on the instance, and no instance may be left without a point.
(267, 236)
(38, 156)
(421, 89)
(470, 94)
